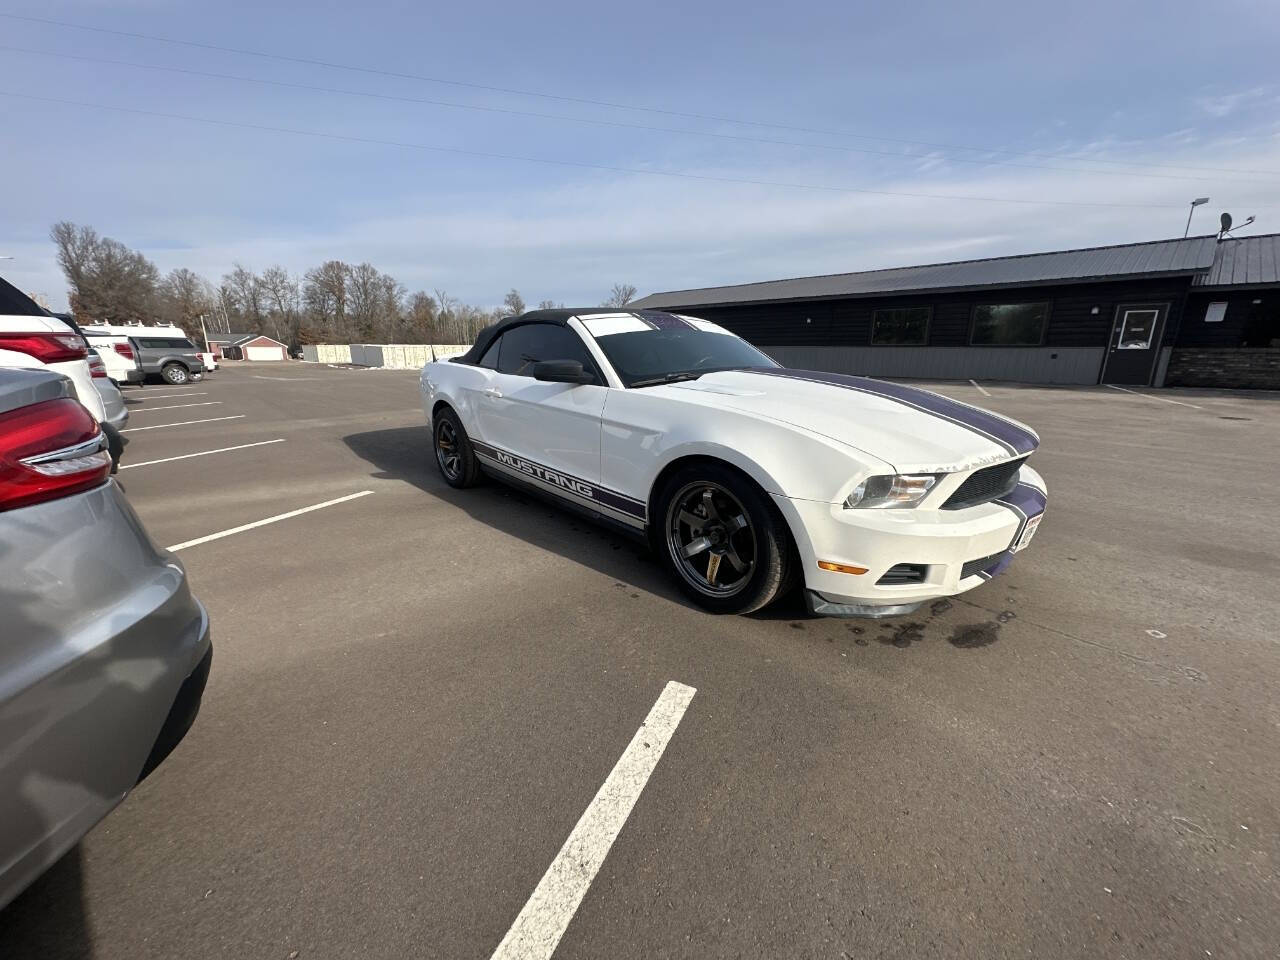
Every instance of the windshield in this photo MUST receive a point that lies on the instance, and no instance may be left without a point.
(644, 357)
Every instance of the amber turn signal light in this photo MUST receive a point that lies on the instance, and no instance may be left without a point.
(840, 567)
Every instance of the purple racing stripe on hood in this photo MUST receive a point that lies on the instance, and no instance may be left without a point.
(1014, 438)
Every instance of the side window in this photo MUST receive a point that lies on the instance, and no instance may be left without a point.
(490, 358)
(525, 345)
(150, 342)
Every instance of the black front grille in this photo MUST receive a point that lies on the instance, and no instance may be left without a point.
(982, 486)
(975, 566)
(902, 574)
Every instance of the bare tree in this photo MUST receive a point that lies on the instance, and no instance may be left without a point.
(364, 299)
(283, 294)
(108, 281)
(75, 251)
(224, 308)
(549, 305)
(446, 317)
(513, 302)
(620, 295)
(184, 297)
(335, 301)
(391, 295)
(421, 317)
(325, 294)
(247, 297)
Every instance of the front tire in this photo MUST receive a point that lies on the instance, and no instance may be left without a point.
(722, 539)
(175, 373)
(454, 454)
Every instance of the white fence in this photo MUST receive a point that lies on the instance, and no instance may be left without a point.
(393, 356)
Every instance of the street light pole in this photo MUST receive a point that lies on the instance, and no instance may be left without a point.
(1194, 203)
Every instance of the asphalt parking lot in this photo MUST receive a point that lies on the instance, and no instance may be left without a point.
(417, 692)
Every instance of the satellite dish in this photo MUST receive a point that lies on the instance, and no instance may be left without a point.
(1226, 222)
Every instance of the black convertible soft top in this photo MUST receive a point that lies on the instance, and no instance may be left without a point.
(559, 315)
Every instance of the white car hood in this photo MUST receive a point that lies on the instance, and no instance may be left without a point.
(914, 430)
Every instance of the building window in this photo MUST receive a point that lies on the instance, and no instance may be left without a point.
(1136, 329)
(1216, 312)
(1009, 324)
(901, 326)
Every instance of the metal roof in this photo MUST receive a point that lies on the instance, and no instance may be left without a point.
(1153, 258)
(1248, 261)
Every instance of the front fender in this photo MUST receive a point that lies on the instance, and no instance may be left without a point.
(642, 436)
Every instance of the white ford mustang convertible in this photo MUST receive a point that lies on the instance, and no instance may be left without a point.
(747, 478)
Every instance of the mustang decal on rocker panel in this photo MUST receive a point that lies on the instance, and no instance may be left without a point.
(542, 473)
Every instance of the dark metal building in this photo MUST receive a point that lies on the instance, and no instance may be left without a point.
(1125, 314)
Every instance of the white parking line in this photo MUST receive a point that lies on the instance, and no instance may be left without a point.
(170, 396)
(262, 523)
(980, 389)
(183, 423)
(545, 917)
(1148, 396)
(202, 453)
(178, 406)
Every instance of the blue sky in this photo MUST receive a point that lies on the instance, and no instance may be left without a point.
(1159, 99)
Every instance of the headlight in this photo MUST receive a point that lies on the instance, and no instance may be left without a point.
(877, 493)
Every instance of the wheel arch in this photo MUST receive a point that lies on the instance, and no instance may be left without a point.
(442, 404)
(749, 470)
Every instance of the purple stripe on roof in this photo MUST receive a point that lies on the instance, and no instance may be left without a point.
(662, 320)
(1017, 440)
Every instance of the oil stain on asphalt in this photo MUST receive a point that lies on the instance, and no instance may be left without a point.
(973, 635)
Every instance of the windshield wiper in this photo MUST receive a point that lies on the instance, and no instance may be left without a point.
(678, 376)
(669, 378)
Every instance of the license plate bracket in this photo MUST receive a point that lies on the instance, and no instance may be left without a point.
(1028, 531)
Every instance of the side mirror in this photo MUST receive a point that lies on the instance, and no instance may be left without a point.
(561, 371)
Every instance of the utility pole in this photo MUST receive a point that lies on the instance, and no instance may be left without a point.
(1194, 203)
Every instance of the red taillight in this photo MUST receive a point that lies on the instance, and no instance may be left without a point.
(46, 347)
(49, 450)
(124, 350)
(97, 368)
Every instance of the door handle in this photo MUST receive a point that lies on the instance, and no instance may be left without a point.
(492, 392)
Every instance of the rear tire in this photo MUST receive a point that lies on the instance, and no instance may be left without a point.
(175, 373)
(454, 454)
(722, 539)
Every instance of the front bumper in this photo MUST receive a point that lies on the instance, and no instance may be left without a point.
(941, 542)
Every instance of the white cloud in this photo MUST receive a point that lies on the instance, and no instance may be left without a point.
(570, 243)
(1225, 104)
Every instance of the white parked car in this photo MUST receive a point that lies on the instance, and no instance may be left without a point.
(31, 339)
(746, 477)
(117, 354)
(114, 411)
